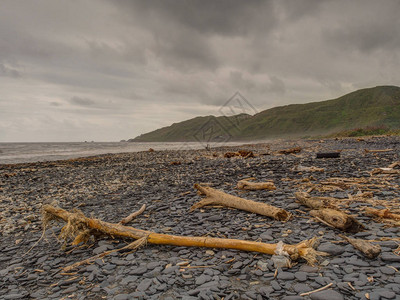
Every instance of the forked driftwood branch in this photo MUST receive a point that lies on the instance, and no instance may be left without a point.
(324, 209)
(79, 228)
(215, 197)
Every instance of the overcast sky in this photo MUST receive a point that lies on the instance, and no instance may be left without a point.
(108, 70)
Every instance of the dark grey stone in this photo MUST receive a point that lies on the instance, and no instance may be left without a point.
(330, 248)
(387, 294)
(387, 270)
(138, 271)
(301, 288)
(144, 285)
(389, 256)
(327, 294)
(285, 275)
(301, 276)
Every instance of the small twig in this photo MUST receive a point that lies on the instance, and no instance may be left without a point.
(324, 222)
(133, 215)
(317, 290)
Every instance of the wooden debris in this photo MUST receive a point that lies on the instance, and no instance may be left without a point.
(382, 213)
(377, 151)
(300, 168)
(290, 151)
(317, 290)
(338, 219)
(324, 208)
(151, 150)
(216, 197)
(77, 222)
(248, 185)
(133, 215)
(390, 171)
(368, 249)
(315, 202)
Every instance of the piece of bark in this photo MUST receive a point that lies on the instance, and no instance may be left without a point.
(315, 202)
(249, 185)
(77, 222)
(382, 213)
(216, 197)
(367, 248)
(133, 215)
(328, 155)
(290, 151)
(338, 219)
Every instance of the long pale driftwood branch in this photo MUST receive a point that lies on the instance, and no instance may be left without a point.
(382, 213)
(78, 225)
(216, 197)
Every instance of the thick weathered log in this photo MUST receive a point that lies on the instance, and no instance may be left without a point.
(78, 222)
(249, 185)
(367, 248)
(315, 202)
(215, 197)
(338, 219)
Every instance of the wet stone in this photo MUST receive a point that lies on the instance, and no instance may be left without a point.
(330, 248)
(301, 276)
(285, 276)
(389, 256)
(387, 270)
(301, 288)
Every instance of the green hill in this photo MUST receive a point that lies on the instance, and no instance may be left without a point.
(378, 106)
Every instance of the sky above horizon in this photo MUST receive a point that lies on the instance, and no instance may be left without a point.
(107, 70)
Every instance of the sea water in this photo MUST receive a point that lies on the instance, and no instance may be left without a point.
(11, 153)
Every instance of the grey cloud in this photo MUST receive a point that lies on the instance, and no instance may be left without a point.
(82, 101)
(149, 63)
(8, 71)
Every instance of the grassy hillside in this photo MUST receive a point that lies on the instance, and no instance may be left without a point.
(372, 107)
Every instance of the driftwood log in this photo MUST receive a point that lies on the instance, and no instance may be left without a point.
(382, 213)
(249, 185)
(79, 228)
(368, 249)
(215, 197)
(325, 210)
(290, 151)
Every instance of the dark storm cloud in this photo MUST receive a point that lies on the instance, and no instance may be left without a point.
(127, 67)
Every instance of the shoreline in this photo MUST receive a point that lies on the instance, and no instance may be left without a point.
(111, 186)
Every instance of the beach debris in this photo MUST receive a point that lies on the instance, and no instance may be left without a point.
(78, 226)
(290, 151)
(367, 248)
(216, 197)
(300, 168)
(328, 155)
(377, 151)
(315, 202)
(317, 290)
(133, 215)
(324, 210)
(175, 163)
(281, 257)
(390, 171)
(384, 214)
(249, 185)
(242, 153)
(151, 150)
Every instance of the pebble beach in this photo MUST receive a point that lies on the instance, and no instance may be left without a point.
(110, 187)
